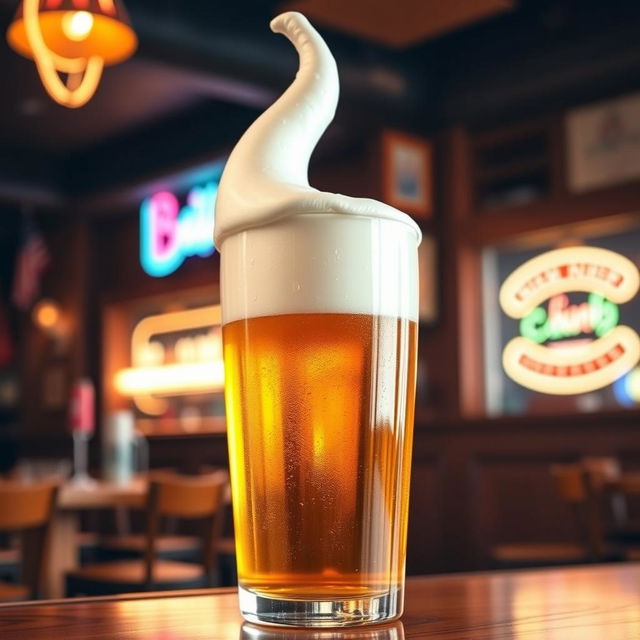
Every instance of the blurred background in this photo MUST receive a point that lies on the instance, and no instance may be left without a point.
(506, 128)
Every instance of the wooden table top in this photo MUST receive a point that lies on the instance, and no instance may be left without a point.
(102, 495)
(583, 603)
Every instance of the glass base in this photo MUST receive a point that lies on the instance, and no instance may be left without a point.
(348, 612)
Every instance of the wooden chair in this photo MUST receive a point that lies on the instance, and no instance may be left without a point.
(27, 510)
(571, 487)
(132, 546)
(193, 498)
(169, 546)
(619, 529)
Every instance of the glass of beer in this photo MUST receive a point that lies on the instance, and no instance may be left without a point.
(320, 340)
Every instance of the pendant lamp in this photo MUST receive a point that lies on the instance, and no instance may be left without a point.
(71, 41)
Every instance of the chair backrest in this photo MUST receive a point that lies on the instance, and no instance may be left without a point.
(28, 510)
(570, 483)
(574, 488)
(198, 498)
(600, 471)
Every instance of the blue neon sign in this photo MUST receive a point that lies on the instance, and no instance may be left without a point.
(169, 234)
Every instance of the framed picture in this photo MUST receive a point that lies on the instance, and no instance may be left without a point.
(428, 288)
(603, 144)
(407, 173)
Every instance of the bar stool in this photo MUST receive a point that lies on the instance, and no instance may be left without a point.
(193, 498)
(169, 545)
(27, 510)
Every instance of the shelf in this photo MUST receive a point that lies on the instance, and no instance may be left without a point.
(522, 166)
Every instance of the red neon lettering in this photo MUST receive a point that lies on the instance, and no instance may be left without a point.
(578, 369)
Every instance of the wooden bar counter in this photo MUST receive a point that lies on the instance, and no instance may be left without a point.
(596, 602)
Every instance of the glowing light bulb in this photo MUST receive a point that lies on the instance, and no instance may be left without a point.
(77, 25)
(46, 315)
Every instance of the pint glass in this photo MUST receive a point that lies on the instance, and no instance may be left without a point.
(320, 335)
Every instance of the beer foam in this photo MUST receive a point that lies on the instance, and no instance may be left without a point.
(321, 263)
(267, 212)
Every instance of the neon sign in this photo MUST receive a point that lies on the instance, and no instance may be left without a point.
(170, 234)
(173, 354)
(539, 359)
(564, 320)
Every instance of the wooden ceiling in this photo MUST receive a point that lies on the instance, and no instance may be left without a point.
(206, 69)
(399, 23)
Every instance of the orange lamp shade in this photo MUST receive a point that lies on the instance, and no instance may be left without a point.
(76, 29)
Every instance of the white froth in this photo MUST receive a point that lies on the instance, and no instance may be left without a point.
(289, 248)
(321, 264)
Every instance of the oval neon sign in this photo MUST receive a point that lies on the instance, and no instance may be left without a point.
(575, 367)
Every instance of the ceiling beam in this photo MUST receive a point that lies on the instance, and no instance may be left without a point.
(253, 59)
(27, 177)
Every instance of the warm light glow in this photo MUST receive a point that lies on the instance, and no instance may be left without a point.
(578, 366)
(173, 379)
(83, 74)
(77, 25)
(588, 269)
(68, 43)
(46, 315)
(197, 366)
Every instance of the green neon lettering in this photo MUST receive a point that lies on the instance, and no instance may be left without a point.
(535, 326)
(605, 314)
(571, 320)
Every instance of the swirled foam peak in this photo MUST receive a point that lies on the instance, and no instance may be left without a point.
(266, 176)
(289, 248)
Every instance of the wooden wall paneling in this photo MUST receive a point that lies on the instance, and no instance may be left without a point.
(440, 345)
(44, 362)
(494, 485)
(354, 172)
(465, 285)
(511, 223)
(189, 454)
(458, 524)
(514, 500)
(437, 393)
(629, 456)
(116, 354)
(121, 277)
(425, 536)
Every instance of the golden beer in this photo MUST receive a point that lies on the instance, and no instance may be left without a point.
(320, 410)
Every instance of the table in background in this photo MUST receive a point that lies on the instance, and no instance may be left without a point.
(72, 499)
(595, 602)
